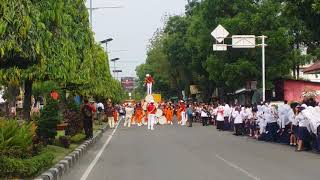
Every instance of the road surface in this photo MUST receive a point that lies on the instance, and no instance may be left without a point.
(198, 153)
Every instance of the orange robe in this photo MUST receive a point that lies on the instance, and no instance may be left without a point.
(139, 115)
(179, 117)
(169, 114)
(115, 116)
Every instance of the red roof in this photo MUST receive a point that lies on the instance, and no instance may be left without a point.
(313, 69)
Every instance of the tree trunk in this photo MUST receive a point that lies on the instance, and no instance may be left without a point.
(294, 72)
(27, 100)
(298, 71)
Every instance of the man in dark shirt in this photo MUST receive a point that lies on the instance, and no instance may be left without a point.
(109, 113)
(87, 111)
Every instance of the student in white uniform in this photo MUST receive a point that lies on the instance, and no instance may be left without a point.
(129, 113)
(204, 116)
(294, 127)
(284, 123)
(227, 114)
(231, 119)
(270, 115)
(248, 120)
(220, 118)
(303, 132)
(254, 124)
(313, 114)
(260, 120)
(238, 122)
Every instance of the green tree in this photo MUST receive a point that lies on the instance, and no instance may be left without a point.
(43, 40)
(186, 43)
(48, 121)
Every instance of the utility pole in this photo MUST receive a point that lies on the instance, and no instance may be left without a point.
(263, 45)
(91, 8)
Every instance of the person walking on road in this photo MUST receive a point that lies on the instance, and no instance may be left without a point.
(87, 111)
(129, 113)
(204, 116)
(238, 121)
(151, 110)
(169, 113)
(138, 114)
(303, 132)
(109, 111)
(220, 118)
(183, 113)
(190, 114)
(122, 112)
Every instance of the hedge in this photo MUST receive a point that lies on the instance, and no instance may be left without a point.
(78, 138)
(23, 168)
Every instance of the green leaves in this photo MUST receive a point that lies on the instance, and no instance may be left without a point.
(52, 40)
(15, 140)
(185, 44)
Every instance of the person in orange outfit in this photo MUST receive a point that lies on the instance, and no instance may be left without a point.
(138, 114)
(115, 116)
(169, 114)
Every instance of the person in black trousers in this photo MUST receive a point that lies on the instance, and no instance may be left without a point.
(204, 116)
(87, 111)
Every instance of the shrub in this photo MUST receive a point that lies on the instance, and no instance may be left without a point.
(78, 138)
(49, 119)
(74, 121)
(64, 141)
(72, 116)
(23, 168)
(15, 140)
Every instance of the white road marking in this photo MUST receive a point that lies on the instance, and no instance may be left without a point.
(93, 163)
(237, 168)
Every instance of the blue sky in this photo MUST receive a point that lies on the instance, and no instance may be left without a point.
(131, 27)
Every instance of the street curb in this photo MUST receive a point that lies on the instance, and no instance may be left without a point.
(69, 161)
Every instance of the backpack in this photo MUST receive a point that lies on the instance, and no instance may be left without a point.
(87, 111)
(100, 109)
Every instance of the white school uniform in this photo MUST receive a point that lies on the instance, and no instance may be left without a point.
(129, 114)
(313, 116)
(238, 117)
(227, 110)
(220, 113)
(283, 112)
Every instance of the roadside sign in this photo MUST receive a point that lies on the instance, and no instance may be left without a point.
(243, 41)
(220, 33)
(219, 47)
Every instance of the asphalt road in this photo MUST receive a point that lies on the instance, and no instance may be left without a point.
(198, 153)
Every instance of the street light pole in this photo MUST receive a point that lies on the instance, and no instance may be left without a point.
(114, 65)
(117, 72)
(263, 68)
(106, 41)
(92, 8)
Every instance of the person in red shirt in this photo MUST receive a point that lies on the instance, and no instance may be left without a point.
(183, 113)
(87, 111)
(149, 81)
(151, 110)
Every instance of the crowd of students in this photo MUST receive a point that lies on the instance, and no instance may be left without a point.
(296, 125)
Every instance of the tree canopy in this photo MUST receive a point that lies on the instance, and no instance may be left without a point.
(43, 40)
(183, 47)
